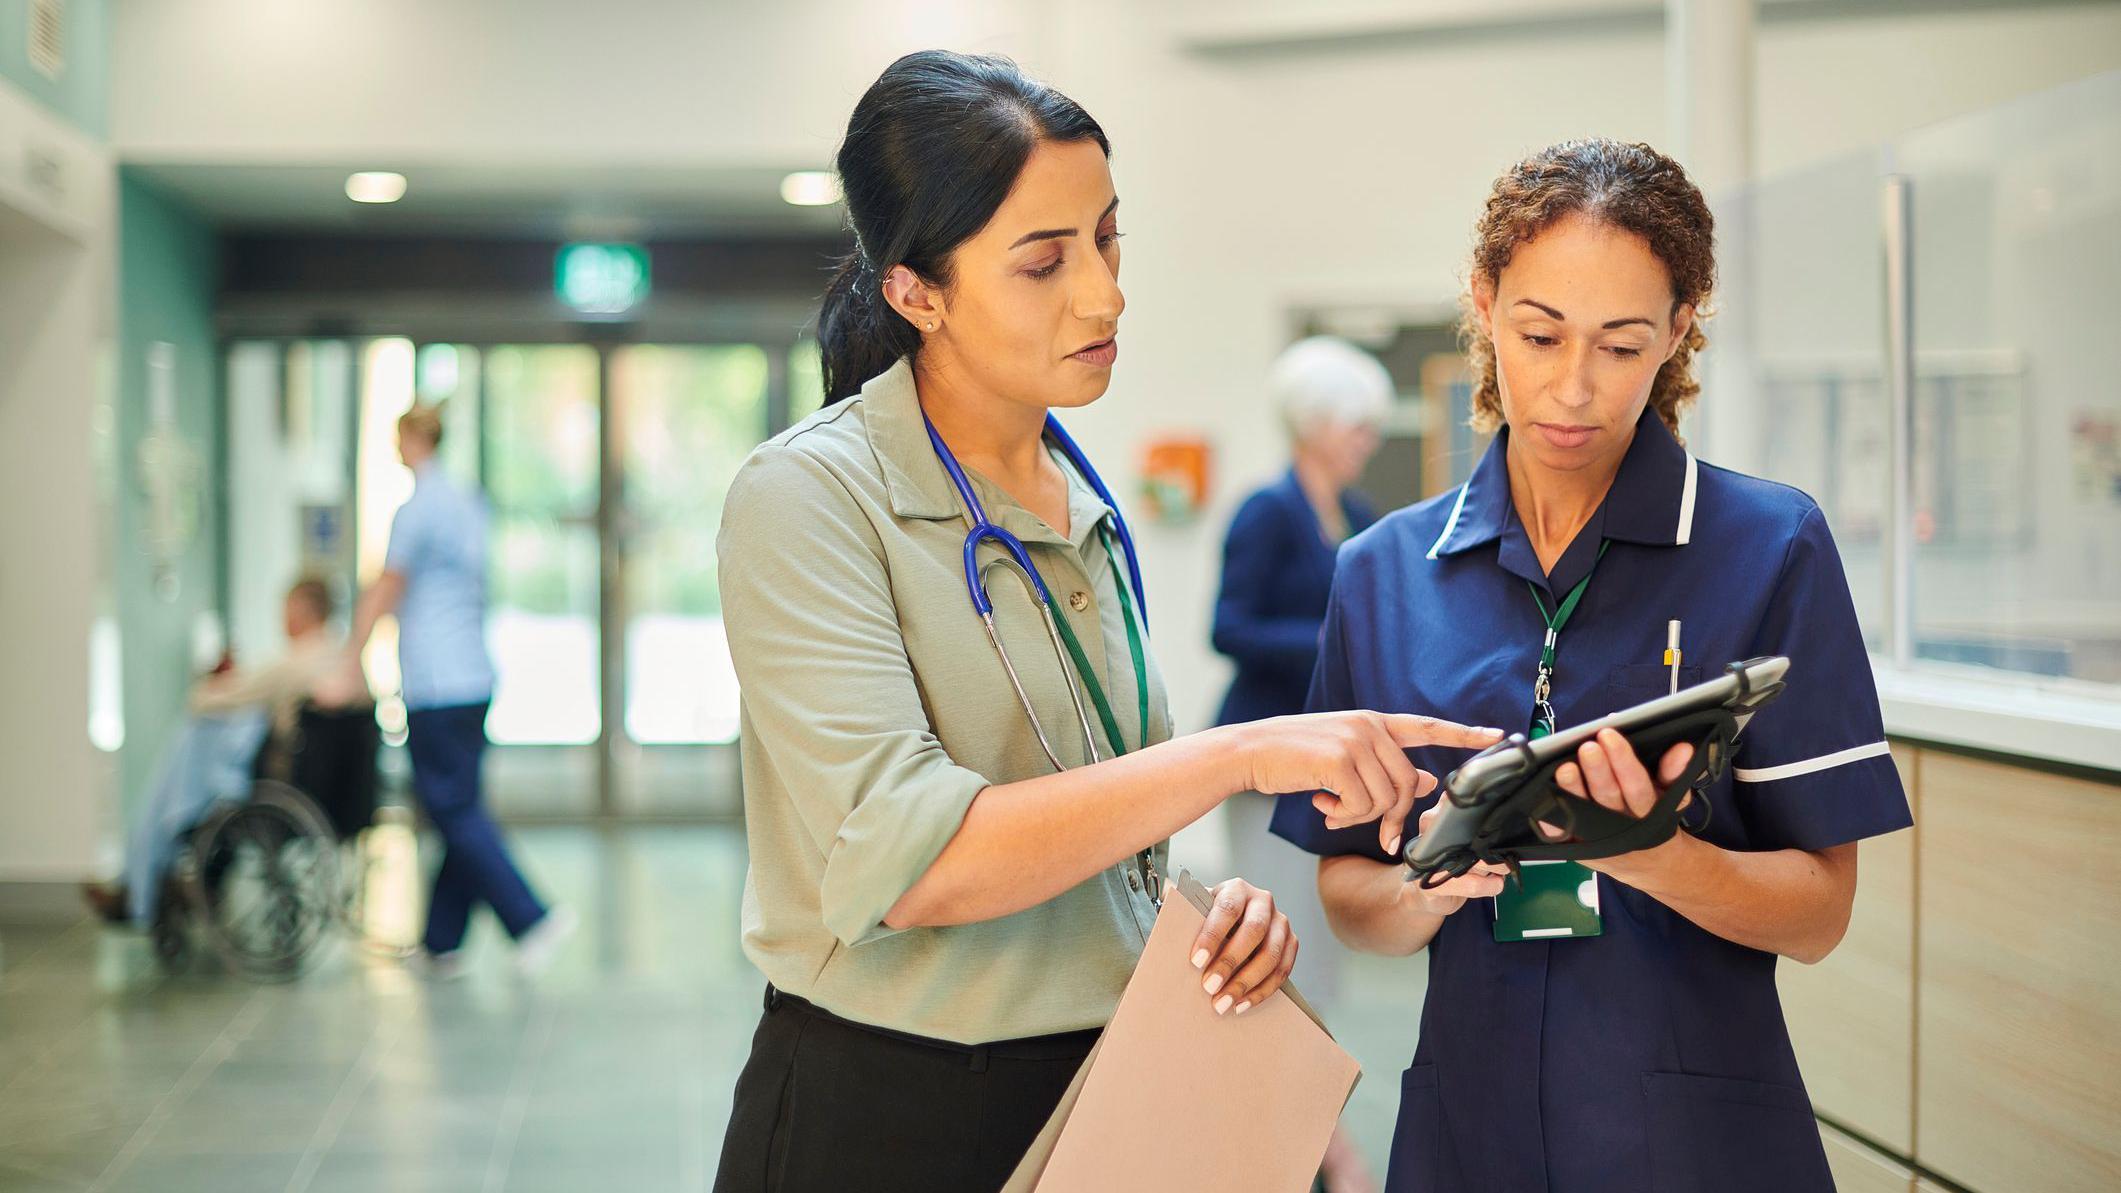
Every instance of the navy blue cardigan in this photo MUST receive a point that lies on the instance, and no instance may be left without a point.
(1277, 574)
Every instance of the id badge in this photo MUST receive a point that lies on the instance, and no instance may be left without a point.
(1548, 900)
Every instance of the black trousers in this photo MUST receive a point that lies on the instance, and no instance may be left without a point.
(825, 1104)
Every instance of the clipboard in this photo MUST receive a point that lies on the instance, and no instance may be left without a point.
(1146, 1111)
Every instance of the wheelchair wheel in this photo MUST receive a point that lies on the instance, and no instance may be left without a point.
(266, 882)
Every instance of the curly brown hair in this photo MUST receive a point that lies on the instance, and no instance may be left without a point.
(1631, 187)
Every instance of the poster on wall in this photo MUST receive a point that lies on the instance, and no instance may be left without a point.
(1175, 478)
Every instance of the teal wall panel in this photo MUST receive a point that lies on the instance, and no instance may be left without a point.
(169, 461)
(81, 92)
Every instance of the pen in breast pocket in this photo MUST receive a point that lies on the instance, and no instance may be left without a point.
(1671, 652)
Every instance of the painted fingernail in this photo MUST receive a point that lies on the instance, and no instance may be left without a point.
(1200, 959)
(1393, 847)
(1244, 1006)
(1214, 983)
(1222, 1004)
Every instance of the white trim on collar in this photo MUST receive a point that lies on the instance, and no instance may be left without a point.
(1451, 523)
(1686, 501)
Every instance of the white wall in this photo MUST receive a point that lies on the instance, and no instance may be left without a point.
(1250, 181)
(56, 323)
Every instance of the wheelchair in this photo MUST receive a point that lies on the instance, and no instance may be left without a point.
(259, 880)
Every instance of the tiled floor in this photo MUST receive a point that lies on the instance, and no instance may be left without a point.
(612, 1071)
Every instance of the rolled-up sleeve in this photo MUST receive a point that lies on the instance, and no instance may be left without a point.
(829, 696)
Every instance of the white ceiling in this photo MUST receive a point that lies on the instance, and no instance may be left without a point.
(578, 202)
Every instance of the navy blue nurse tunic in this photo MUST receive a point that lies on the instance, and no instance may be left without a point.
(1654, 1056)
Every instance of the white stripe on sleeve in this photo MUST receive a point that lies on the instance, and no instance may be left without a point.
(1791, 770)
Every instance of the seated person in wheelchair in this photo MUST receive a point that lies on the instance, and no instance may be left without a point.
(214, 755)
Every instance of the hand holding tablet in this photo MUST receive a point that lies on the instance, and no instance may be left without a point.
(1492, 806)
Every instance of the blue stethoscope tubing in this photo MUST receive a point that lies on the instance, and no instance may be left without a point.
(982, 529)
(1014, 554)
(1018, 560)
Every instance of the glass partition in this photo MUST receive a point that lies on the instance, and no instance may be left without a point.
(2012, 503)
(1795, 387)
(2017, 502)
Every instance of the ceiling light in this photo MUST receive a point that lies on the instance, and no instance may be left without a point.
(375, 186)
(811, 188)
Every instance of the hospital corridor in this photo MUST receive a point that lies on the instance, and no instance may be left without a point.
(1369, 596)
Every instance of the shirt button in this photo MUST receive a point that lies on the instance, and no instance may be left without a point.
(1078, 601)
(1134, 882)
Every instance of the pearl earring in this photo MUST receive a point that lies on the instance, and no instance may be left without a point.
(931, 326)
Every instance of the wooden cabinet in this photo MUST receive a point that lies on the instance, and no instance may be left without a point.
(1858, 1169)
(1852, 1016)
(2019, 953)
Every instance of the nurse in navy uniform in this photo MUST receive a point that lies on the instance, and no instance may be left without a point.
(1638, 1043)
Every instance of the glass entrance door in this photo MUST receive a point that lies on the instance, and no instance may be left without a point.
(604, 467)
(540, 410)
(684, 418)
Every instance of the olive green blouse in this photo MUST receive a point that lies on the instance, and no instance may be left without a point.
(875, 709)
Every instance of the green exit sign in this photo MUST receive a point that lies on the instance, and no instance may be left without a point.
(601, 279)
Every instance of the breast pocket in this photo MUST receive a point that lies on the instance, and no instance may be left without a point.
(1731, 1135)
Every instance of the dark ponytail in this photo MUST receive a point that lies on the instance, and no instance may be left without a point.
(931, 151)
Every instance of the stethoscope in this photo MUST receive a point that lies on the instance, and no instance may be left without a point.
(1017, 561)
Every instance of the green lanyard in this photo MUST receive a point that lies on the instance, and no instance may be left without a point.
(1134, 650)
(1543, 687)
(1145, 861)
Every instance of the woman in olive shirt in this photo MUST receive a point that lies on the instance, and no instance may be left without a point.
(945, 920)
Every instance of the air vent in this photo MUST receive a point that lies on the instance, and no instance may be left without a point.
(47, 37)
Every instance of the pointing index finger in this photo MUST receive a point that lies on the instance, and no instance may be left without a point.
(1413, 729)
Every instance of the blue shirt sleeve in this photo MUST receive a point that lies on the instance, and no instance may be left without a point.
(1812, 769)
(408, 535)
(1332, 690)
(1257, 547)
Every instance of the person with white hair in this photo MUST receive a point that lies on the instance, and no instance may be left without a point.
(1277, 573)
(1278, 557)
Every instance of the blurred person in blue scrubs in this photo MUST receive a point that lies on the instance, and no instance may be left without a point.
(434, 579)
(1277, 572)
(1631, 1038)
(212, 757)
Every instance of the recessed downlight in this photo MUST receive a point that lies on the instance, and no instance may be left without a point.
(375, 186)
(810, 188)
